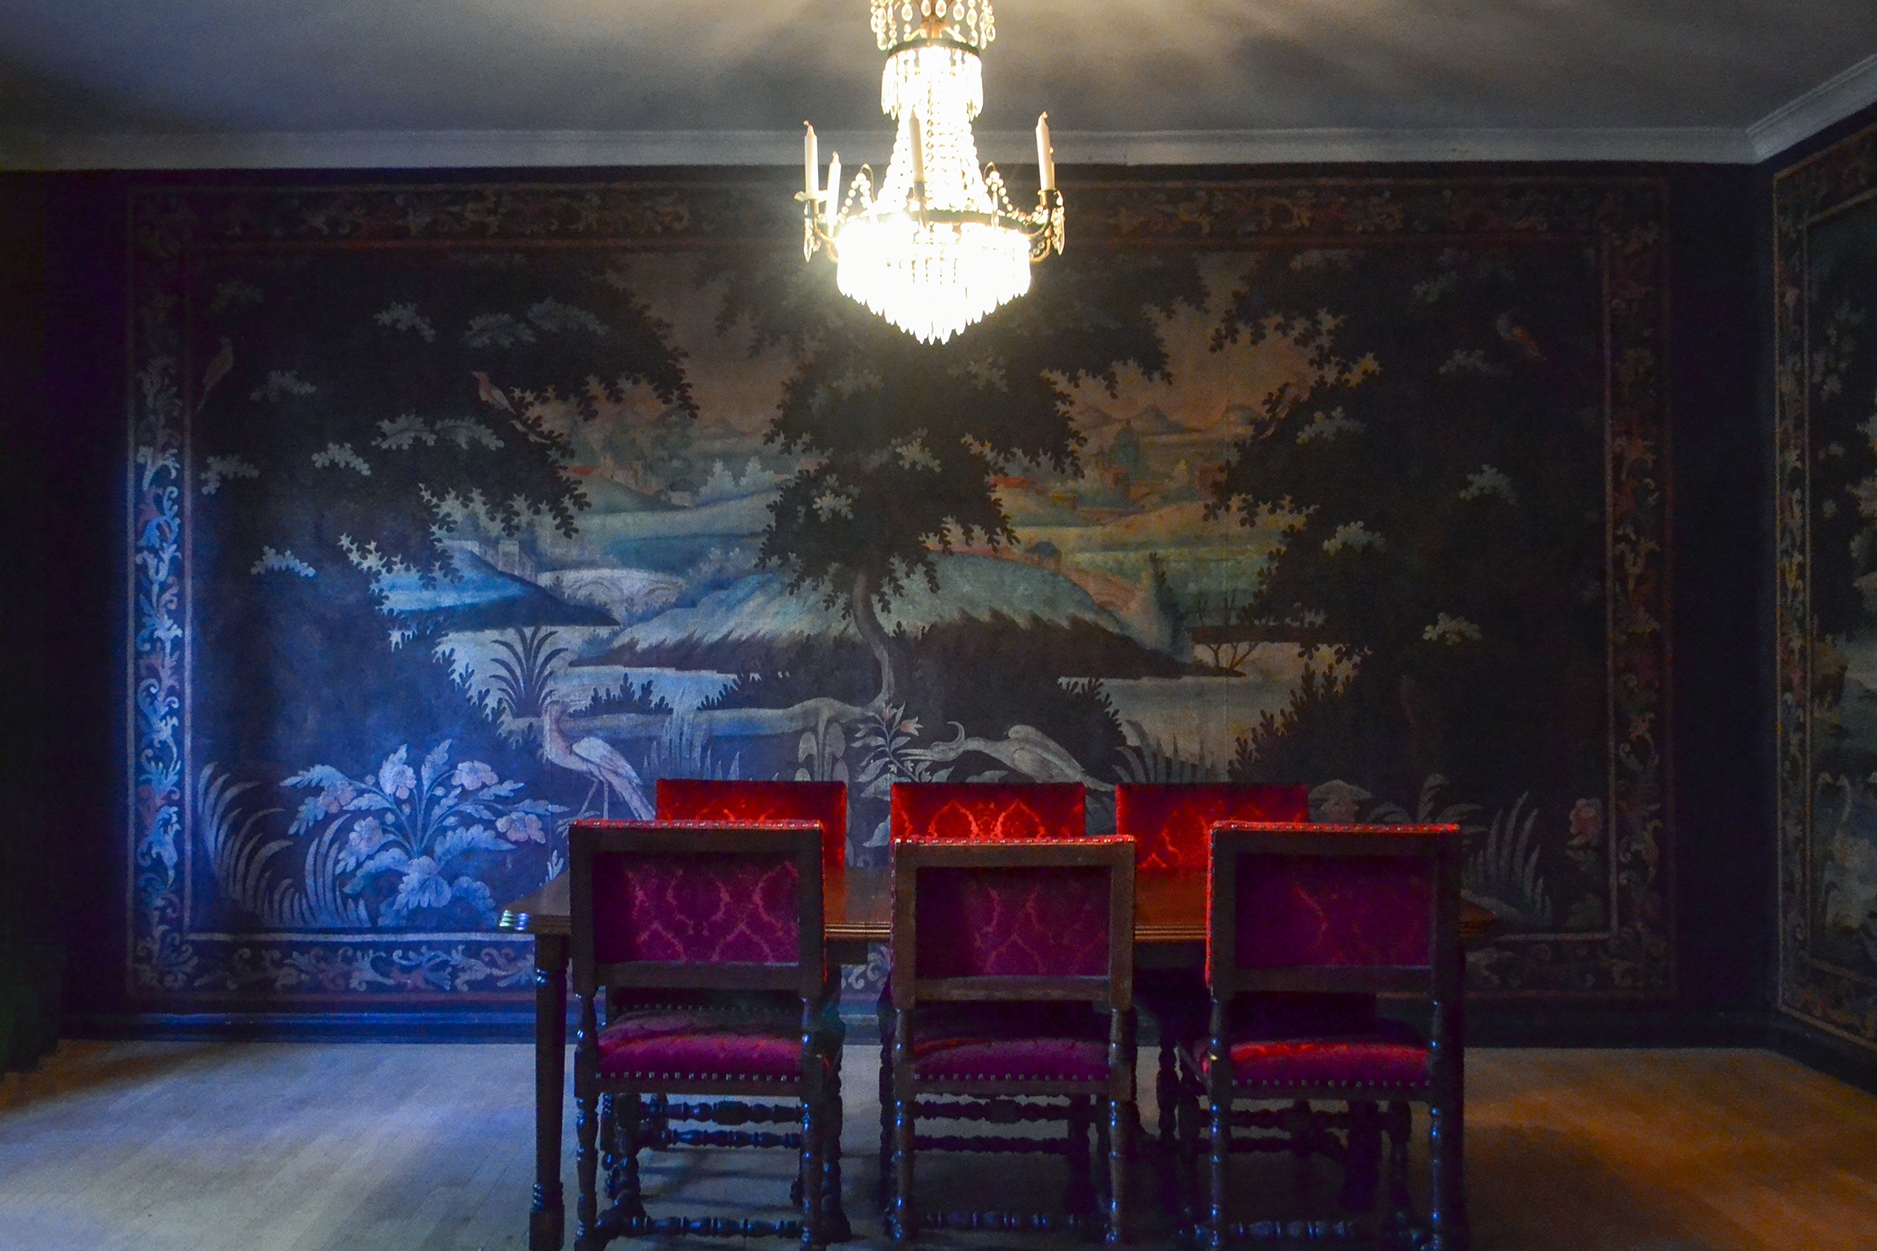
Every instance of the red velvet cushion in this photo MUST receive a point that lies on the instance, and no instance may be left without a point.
(689, 1042)
(975, 812)
(1328, 910)
(1009, 921)
(1387, 1053)
(1012, 1059)
(702, 799)
(1171, 825)
(695, 908)
(1017, 1041)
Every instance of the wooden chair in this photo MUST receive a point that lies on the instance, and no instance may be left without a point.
(744, 802)
(1315, 912)
(987, 813)
(692, 929)
(1171, 825)
(1011, 928)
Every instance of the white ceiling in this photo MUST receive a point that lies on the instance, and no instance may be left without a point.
(440, 82)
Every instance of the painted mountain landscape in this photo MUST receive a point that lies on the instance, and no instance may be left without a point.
(487, 537)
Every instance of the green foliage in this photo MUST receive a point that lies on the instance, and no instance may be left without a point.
(1153, 762)
(523, 672)
(1439, 466)
(904, 437)
(379, 404)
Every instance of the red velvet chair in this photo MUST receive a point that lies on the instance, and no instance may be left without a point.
(970, 812)
(693, 930)
(1029, 936)
(741, 801)
(1171, 825)
(1304, 916)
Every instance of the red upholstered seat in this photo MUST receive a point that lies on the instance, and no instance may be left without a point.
(1171, 825)
(1385, 1053)
(1012, 964)
(975, 812)
(673, 1043)
(1010, 1059)
(1011, 1042)
(707, 799)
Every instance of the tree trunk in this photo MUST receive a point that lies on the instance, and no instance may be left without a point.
(867, 625)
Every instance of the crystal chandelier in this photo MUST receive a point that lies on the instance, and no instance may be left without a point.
(938, 244)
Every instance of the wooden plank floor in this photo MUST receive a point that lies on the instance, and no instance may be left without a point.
(356, 1147)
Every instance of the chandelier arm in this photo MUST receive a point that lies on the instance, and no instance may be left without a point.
(938, 243)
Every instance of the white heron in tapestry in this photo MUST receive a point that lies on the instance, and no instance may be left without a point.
(592, 757)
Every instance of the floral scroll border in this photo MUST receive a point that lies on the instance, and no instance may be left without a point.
(1823, 995)
(1623, 216)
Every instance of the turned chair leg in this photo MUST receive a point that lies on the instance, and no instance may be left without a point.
(1362, 1157)
(834, 1214)
(809, 1175)
(1120, 1122)
(1078, 1199)
(1167, 1099)
(622, 1177)
(1398, 1125)
(1446, 1211)
(586, 1129)
(903, 1218)
(886, 1104)
(1219, 1094)
(1186, 1185)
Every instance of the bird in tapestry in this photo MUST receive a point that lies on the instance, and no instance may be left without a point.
(592, 757)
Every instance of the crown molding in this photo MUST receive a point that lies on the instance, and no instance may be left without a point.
(1829, 102)
(1833, 100)
(464, 149)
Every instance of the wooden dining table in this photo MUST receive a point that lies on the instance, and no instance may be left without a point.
(1169, 932)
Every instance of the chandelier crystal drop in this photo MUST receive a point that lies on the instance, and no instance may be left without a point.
(938, 244)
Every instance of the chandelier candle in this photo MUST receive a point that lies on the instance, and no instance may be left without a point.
(937, 244)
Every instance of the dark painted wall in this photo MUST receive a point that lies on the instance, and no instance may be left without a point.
(32, 882)
(1722, 875)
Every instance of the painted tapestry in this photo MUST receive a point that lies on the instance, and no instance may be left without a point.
(460, 512)
(1825, 222)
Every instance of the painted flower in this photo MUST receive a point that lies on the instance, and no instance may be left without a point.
(1586, 823)
(335, 798)
(367, 836)
(397, 779)
(521, 827)
(1339, 802)
(473, 775)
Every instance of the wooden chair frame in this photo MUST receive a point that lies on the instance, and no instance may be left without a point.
(1115, 990)
(659, 1118)
(1173, 1082)
(1075, 1116)
(1439, 979)
(806, 978)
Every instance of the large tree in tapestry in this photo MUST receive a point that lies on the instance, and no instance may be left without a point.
(369, 430)
(1436, 469)
(902, 445)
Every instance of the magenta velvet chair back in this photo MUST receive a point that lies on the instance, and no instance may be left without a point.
(1170, 824)
(1039, 919)
(704, 799)
(1333, 908)
(697, 905)
(981, 812)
